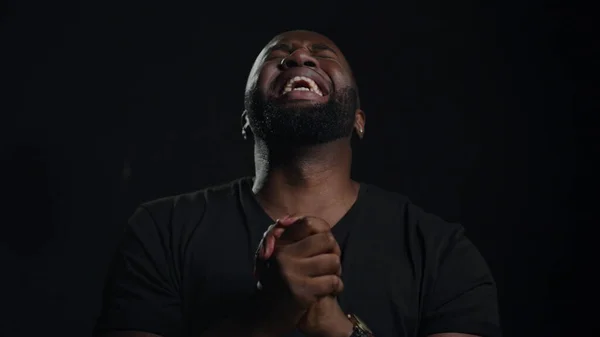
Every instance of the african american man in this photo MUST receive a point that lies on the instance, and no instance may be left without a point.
(299, 248)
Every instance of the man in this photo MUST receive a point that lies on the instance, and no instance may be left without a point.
(340, 249)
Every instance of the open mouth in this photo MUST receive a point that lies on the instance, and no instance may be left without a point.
(301, 83)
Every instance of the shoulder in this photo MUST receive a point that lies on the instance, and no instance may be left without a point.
(183, 212)
(403, 215)
(190, 202)
(430, 240)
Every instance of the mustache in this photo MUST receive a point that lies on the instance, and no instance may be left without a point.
(346, 96)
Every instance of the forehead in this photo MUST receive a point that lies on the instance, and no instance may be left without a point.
(301, 38)
(296, 39)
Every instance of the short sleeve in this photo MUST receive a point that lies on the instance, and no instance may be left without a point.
(141, 292)
(462, 297)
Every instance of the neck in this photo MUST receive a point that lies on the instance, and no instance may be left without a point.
(310, 180)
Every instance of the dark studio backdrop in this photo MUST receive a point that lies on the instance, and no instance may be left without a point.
(470, 112)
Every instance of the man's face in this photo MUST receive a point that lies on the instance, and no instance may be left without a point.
(300, 91)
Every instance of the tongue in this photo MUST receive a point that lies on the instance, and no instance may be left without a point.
(301, 84)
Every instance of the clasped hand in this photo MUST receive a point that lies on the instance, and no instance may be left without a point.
(298, 267)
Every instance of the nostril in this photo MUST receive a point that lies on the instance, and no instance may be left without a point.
(290, 63)
(310, 64)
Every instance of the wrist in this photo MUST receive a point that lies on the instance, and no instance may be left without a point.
(342, 329)
(340, 326)
(359, 328)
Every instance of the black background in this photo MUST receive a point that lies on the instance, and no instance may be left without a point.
(470, 112)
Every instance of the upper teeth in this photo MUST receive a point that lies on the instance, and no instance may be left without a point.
(312, 85)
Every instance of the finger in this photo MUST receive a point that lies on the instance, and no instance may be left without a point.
(338, 287)
(262, 251)
(321, 243)
(336, 247)
(320, 265)
(281, 224)
(288, 220)
(304, 227)
(269, 247)
(323, 285)
(269, 238)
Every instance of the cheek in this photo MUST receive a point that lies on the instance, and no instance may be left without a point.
(339, 79)
(260, 74)
(252, 82)
(341, 82)
(265, 79)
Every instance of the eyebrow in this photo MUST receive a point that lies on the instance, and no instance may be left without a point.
(322, 47)
(314, 47)
(281, 46)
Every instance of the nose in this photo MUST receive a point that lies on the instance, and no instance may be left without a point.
(299, 58)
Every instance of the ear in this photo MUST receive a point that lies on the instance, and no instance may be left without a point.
(360, 120)
(244, 119)
(245, 125)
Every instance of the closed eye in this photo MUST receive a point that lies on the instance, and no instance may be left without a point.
(281, 47)
(279, 51)
(274, 56)
(324, 55)
(322, 50)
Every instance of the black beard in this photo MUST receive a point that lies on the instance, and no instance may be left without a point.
(302, 126)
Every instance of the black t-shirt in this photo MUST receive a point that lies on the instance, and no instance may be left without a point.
(186, 261)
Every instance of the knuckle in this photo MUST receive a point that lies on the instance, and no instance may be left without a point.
(316, 224)
(303, 291)
(334, 283)
(330, 259)
(330, 239)
(332, 264)
(283, 262)
(340, 287)
(336, 261)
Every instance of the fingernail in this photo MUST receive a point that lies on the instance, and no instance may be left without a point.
(290, 220)
(277, 232)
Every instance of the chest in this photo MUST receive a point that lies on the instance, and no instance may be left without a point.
(380, 278)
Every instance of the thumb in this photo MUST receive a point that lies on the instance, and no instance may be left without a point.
(273, 233)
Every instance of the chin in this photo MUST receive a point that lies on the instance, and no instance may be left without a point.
(300, 102)
(292, 100)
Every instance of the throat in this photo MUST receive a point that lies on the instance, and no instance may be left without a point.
(328, 202)
(305, 181)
